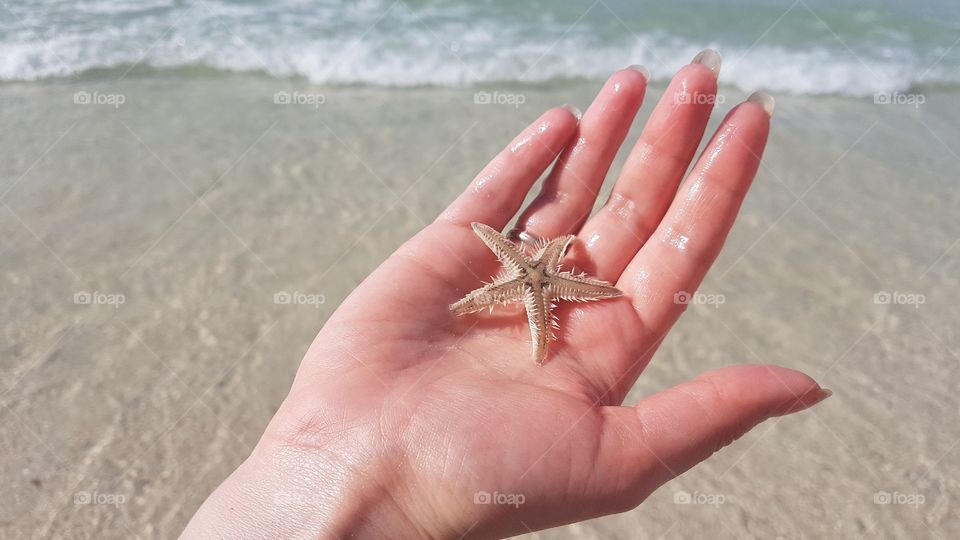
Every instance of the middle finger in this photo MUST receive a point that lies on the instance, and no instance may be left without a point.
(654, 169)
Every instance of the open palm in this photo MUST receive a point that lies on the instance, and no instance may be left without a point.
(449, 422)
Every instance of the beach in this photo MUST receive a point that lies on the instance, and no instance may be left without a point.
(188, 191)
(168, 260)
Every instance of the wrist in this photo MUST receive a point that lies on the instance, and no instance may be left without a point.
(285, 490)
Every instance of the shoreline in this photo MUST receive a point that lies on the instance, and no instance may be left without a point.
(118, 74)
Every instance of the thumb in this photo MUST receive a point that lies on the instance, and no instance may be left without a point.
(668, 433)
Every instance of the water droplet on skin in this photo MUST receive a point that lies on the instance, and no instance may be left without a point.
(675, 239)
(623, 207)
(640, 277)
(695, 187)
(680, 242)
(578, 147)
(639, 285)
(682, 96)
(481, 181)
(719, 142)
(520, 144)
(527, 137)
(592, 241)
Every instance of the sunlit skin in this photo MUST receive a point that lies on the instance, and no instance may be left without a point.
(402, 412)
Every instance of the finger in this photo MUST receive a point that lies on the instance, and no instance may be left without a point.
(654, 169)
(690, 236)
(495, 195)
(568, 194)
(448, 251)
(668, 433)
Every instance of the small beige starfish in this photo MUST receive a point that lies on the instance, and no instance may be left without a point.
(536, 281)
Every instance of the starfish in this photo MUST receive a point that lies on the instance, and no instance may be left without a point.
(535, 280)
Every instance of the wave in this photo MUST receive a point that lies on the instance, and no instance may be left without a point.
(363, 44)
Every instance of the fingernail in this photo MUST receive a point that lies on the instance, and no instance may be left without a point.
(817, 397)
(709, 58)
(807, 400)
(763, 99)
(642, 69)
(574, 111)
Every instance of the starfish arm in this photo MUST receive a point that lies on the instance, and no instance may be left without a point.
(580, 287)
(551, 252)
(539, 308)
(503, 290)
(506, 252)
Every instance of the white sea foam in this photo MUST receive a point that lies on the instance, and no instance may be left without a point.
(393, 45)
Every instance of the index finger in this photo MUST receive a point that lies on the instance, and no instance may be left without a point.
(496, 194)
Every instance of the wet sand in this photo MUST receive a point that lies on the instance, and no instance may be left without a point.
(143, 351)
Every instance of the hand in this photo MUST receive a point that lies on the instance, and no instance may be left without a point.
(403, 416)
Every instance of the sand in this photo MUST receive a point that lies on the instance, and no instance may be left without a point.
(123, 408)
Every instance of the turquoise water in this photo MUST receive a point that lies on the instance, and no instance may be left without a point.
(810, 46)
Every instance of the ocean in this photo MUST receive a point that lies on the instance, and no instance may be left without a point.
(797, 46)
